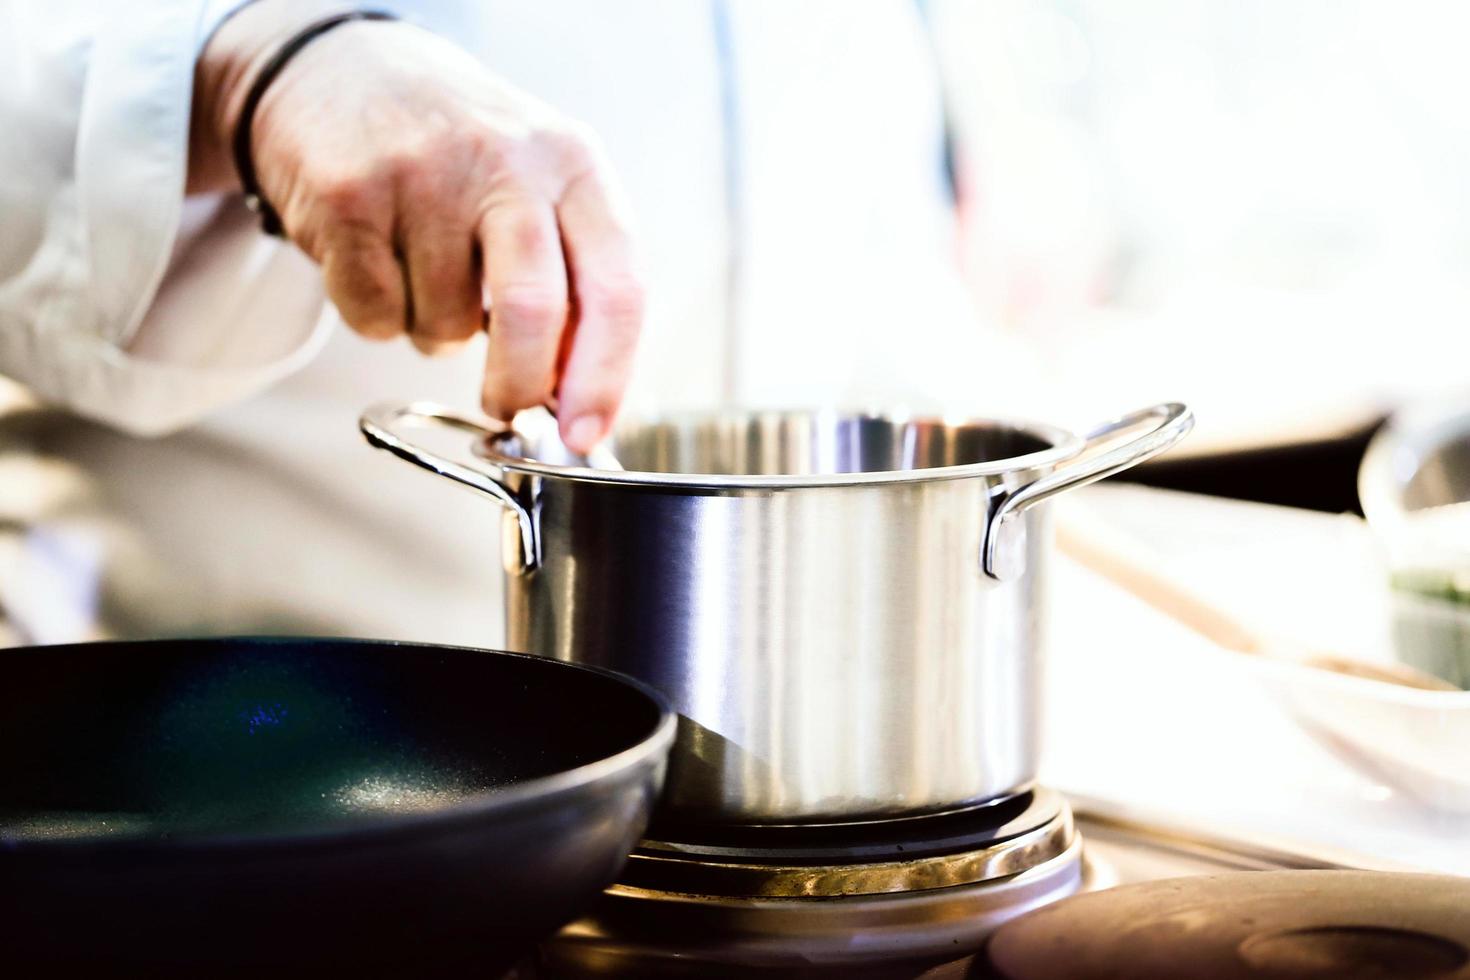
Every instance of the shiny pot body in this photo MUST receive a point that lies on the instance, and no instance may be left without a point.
(834, 653)
(845, 611)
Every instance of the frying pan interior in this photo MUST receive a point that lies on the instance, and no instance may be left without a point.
(322, 798)
(258, 738)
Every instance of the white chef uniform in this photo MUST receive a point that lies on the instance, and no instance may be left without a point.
(784, 163)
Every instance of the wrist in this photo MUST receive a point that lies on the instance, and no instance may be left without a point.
(224, 73)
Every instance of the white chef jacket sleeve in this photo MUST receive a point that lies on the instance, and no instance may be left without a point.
(119, 298)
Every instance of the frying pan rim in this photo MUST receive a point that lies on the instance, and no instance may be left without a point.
(535, 792)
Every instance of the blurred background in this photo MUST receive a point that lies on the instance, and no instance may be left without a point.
(1256, 207)
(1260, 204)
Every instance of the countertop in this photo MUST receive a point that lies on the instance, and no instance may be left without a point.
(1147, 719)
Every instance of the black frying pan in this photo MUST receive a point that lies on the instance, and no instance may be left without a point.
(289, 806)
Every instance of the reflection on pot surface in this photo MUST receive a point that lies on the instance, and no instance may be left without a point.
(844, 609)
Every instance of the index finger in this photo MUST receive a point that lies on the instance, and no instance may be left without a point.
(607, 296)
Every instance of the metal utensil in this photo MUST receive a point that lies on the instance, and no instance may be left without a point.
(1118, 557)
(1401, 727)
(600, 457)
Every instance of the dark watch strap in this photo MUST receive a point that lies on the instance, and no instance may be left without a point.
(244, 161)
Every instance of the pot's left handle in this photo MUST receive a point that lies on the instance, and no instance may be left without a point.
(1004, 551)
(381, 425)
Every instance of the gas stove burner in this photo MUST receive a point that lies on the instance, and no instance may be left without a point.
(1347, 925)
(956, 848)
(941, 833)
(884, 899)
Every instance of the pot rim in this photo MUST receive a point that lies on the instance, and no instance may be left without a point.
(1064, 445)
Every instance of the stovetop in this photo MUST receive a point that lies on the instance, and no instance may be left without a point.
(805, 929)
(1121, 849)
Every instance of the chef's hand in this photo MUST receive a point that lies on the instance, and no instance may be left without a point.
(429, 190)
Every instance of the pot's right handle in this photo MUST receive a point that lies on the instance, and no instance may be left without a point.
(1003, 554)
(380, 425)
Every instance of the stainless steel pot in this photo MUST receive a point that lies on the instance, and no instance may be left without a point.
(845, 610)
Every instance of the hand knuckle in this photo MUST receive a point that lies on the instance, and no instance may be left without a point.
(404, 164)
(531, 305)
(346, 195)
(375, 328)
(450, 326)
(619, 298)
(485, 147)
(531, 235)
(369, 303)
(571, 146)
(375, 285)
(460, 149)
(441, 139)
(436, 346)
